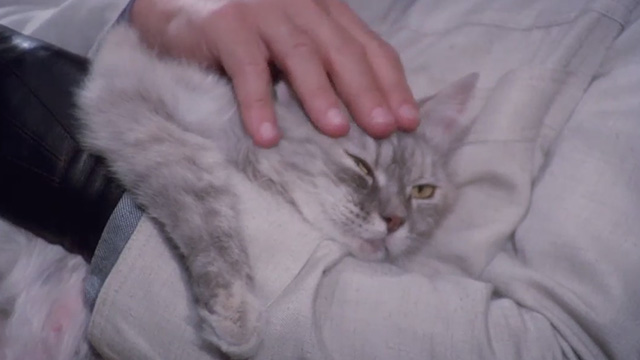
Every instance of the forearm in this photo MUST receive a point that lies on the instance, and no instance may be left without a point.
(48, 184)
(75, 25)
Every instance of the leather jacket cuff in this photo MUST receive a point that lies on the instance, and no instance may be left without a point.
(49, 184)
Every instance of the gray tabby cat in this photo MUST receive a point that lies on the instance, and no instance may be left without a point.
(172, 134)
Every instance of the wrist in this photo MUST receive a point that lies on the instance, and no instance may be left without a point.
(125, 15)
(150, 18)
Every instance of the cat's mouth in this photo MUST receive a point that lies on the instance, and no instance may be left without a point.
(378, 249)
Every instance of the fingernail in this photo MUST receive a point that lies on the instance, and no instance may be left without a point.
(268, 132)
(335, 118)
(409, 112)
(381, 116)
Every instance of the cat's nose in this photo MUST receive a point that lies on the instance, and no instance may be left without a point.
(393, 222)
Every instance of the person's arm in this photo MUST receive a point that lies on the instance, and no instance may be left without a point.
(49, 184)
(324, 50)
(328, 55)
(74, 25)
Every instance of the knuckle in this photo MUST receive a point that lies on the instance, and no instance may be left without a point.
(360, 98)
(260, 101)
(381, 48)
(231, 12)
(391, 53)
(301, 45)
(251, 66)
(356, 50)
(384, 47)
(316, 93)
(254, 101)
(232, 9)
(350, 51)
(371, 94)
(299, 49)
(348, 46)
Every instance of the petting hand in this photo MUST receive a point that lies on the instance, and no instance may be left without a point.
(325, 51)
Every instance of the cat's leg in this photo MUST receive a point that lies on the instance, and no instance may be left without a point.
(189, 197)
(181, 180)
(220, 275)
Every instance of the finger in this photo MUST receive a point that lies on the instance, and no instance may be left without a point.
(348, 68)
(299, 60)
(385, 62)
(244, 57)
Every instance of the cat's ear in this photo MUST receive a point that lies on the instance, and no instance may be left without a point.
(443, 123)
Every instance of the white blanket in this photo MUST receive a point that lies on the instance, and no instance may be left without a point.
(539, 258)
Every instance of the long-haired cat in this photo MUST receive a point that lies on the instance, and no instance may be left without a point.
(171, 133)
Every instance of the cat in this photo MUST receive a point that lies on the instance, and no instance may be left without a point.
(171, 132)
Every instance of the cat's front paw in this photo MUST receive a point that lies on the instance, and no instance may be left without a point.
(233, 321)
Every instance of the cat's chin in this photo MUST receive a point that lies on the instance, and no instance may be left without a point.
(398, 243)
(369, 250)
(380, 249)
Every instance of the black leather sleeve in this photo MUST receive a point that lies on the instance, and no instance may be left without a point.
(48, 183)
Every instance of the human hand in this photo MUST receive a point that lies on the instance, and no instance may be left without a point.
(324, 50)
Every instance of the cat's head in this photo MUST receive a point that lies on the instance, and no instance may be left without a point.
(379, 197)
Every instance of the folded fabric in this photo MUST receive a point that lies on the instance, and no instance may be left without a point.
(538, 258)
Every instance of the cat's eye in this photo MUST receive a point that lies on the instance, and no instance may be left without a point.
(424, 191)
(362, 165)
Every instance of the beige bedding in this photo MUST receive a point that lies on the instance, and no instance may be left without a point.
(540, 258)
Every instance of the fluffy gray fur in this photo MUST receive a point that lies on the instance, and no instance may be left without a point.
(172, 134)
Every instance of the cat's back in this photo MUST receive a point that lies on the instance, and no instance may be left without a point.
(126, 72)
